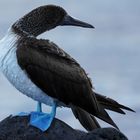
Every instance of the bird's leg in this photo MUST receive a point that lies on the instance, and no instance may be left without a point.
(53, 111)
(39, 107)
(42, 120)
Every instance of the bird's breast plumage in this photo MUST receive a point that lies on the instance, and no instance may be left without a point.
(10, 68)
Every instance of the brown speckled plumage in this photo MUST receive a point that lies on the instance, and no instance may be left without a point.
(39, 20)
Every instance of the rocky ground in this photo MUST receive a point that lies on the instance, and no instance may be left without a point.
(18, 128)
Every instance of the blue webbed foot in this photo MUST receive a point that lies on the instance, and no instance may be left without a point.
(42, 120)
(39, 119)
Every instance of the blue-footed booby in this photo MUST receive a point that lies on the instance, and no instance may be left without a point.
(41, 70)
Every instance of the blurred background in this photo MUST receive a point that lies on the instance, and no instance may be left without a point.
(110, 54)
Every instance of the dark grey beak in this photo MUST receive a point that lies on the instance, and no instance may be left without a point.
(68, 20)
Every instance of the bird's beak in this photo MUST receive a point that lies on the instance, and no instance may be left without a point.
(68, 20)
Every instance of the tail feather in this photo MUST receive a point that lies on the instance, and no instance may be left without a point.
(103, 115)
(111, 104)
(107, 106)
(86, 117)
(88, 121)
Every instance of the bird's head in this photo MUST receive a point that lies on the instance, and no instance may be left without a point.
(58, 16)
(45, 18)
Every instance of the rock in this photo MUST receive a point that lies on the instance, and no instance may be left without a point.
(18, 128)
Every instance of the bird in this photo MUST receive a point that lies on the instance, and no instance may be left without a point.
(43, 71)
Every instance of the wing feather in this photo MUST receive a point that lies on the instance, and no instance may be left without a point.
(56, 73)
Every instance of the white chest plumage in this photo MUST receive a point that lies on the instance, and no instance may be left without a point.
(13, 72)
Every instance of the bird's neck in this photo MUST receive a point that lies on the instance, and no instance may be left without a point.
(27, 27)
(32, 24)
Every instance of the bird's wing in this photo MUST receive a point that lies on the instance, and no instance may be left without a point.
(56, 73)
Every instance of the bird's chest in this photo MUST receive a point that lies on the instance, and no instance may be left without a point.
(15, 74)
(19, 79)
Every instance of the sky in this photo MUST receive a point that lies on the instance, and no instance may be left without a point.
(110, 54)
